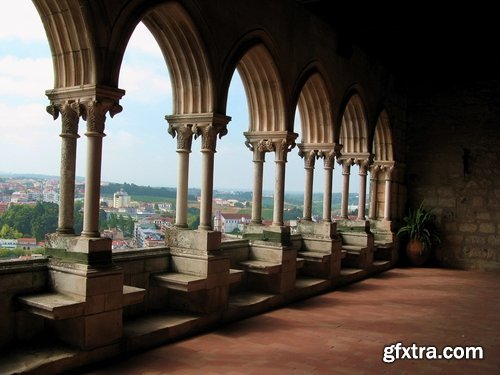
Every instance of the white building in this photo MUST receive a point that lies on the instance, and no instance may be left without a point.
(121, 199)
(226, 223)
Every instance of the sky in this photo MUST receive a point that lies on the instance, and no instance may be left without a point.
(137, 148)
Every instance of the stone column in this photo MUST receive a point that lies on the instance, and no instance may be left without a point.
(363, 168)
(309, 157)
(372, 211)
(209, 133)
(184, 140)
(282, 147)
(95, 115)
(346, 171)
(70, 113)
(258, 149)
(328, 166)
(388, 193)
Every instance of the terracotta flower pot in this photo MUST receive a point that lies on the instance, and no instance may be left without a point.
(417, 253)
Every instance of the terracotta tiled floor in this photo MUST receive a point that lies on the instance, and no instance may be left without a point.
(345, 331)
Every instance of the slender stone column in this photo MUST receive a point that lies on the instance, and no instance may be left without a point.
(95, 115)
(374, 172)
(282, 147)
(258, 149)
(209, 133)
(184, 140)
(346, 171)
(388, 193)
(70, 113)
(363, 167)
(309, 157)
(328, 166)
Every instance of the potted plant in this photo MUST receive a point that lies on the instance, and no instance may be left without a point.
(422, 234)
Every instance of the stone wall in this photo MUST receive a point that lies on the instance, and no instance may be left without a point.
(454, 166)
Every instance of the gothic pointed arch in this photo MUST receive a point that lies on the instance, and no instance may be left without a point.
(71, 42)
(353, 126)
(315, 107)
(255, 61)
(186, 57)
(382, 140)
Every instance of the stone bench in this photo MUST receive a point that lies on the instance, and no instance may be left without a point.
(260, 266)
(53, 305)
(181, 281)
(132, 295)
(235, 276)
(315, 256)
(60, 306)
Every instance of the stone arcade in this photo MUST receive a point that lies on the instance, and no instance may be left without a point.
(99, 304)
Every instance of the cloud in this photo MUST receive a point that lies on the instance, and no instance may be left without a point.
(143, 42)
(26, 78)
(20, 20)
(145, 84)
(30, 139)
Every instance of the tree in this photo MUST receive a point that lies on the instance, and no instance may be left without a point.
(8, 232)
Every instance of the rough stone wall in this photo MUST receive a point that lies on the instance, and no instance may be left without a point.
(454, 166)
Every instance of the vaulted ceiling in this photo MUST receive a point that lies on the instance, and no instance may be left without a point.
(421, 44)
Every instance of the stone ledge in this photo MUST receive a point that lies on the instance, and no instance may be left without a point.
(260, 266)
(181, 281)
(132, 295)
(314, 256)
(53, 305)
(235, 276)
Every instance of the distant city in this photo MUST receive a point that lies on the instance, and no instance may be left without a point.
(132, 216)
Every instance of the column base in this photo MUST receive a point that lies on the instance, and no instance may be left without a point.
(66, 231)
(91, 251)
(91, 234)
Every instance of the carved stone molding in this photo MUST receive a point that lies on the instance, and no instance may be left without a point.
(70, 116)
(95, 114)
(282, 148)
(328, 158)
(346, 165)
(209, 134)
(309, 157)
(184, 134)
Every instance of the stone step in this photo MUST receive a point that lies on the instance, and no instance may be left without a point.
(132, 295)
(314, 256)
(300, 263)
(353, 248)
(350, 271)
(260, 266)
(181, 281)
(235, 276)
(249, 298)
(53, 305)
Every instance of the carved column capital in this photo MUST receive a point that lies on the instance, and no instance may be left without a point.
(374, 171)
(328, 158)
(363, 164)
(346, 165)
(70, 116)
(309, 157)
(258, 149)
(209, 133)
(94, 112)
(184, 134)
(281, 149)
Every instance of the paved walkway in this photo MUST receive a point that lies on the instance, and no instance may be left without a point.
(345, 331)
